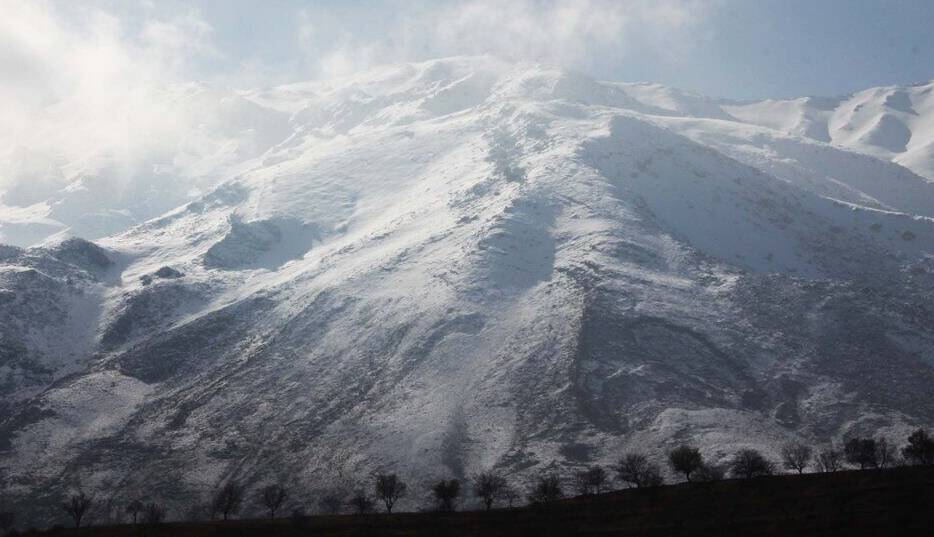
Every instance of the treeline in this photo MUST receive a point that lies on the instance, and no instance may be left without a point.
(632, 470)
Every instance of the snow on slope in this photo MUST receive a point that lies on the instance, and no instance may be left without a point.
(893, 123)
(462, 264)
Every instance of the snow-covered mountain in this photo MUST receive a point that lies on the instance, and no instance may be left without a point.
(465, 264)
(893, 123)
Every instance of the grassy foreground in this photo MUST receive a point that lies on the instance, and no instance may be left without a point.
(897, 501)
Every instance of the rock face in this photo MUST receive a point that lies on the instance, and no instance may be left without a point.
(461, 265)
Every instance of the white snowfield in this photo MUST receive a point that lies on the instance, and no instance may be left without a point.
(464, 264)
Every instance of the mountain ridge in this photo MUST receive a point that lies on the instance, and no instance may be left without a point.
(465, 264)
(221, 129)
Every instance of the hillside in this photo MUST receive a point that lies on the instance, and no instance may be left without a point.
(892, 123)
(851, 504)
(463, 264)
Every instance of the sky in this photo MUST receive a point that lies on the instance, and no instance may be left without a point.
(722, 48)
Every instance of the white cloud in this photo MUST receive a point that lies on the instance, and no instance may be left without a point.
(46, 57)
(79, 82)
(174, 43)
(576, 33)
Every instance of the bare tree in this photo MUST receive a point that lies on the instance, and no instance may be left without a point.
(597, 478)
(361, 502)
(446, 492)
(630, 469)
(685, 460)
(331, 503)
(7, 519)
(272, 497)
(154, 514)
(488, 487)
(635, 470)
(591, 480)
(77, 506)
(389, 489)
(920, 448)
(829, 460)
(796, 456)
(749, 463)
(862, 452)
(546, 489)
(134, 508)
(228, 499)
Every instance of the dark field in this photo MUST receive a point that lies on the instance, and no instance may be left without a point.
(852, 503)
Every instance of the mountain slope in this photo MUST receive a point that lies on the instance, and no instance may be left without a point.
(465, 264)
(893, 123)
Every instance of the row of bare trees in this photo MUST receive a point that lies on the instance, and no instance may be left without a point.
(634, 470)
(857, 452)
(77, 506)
